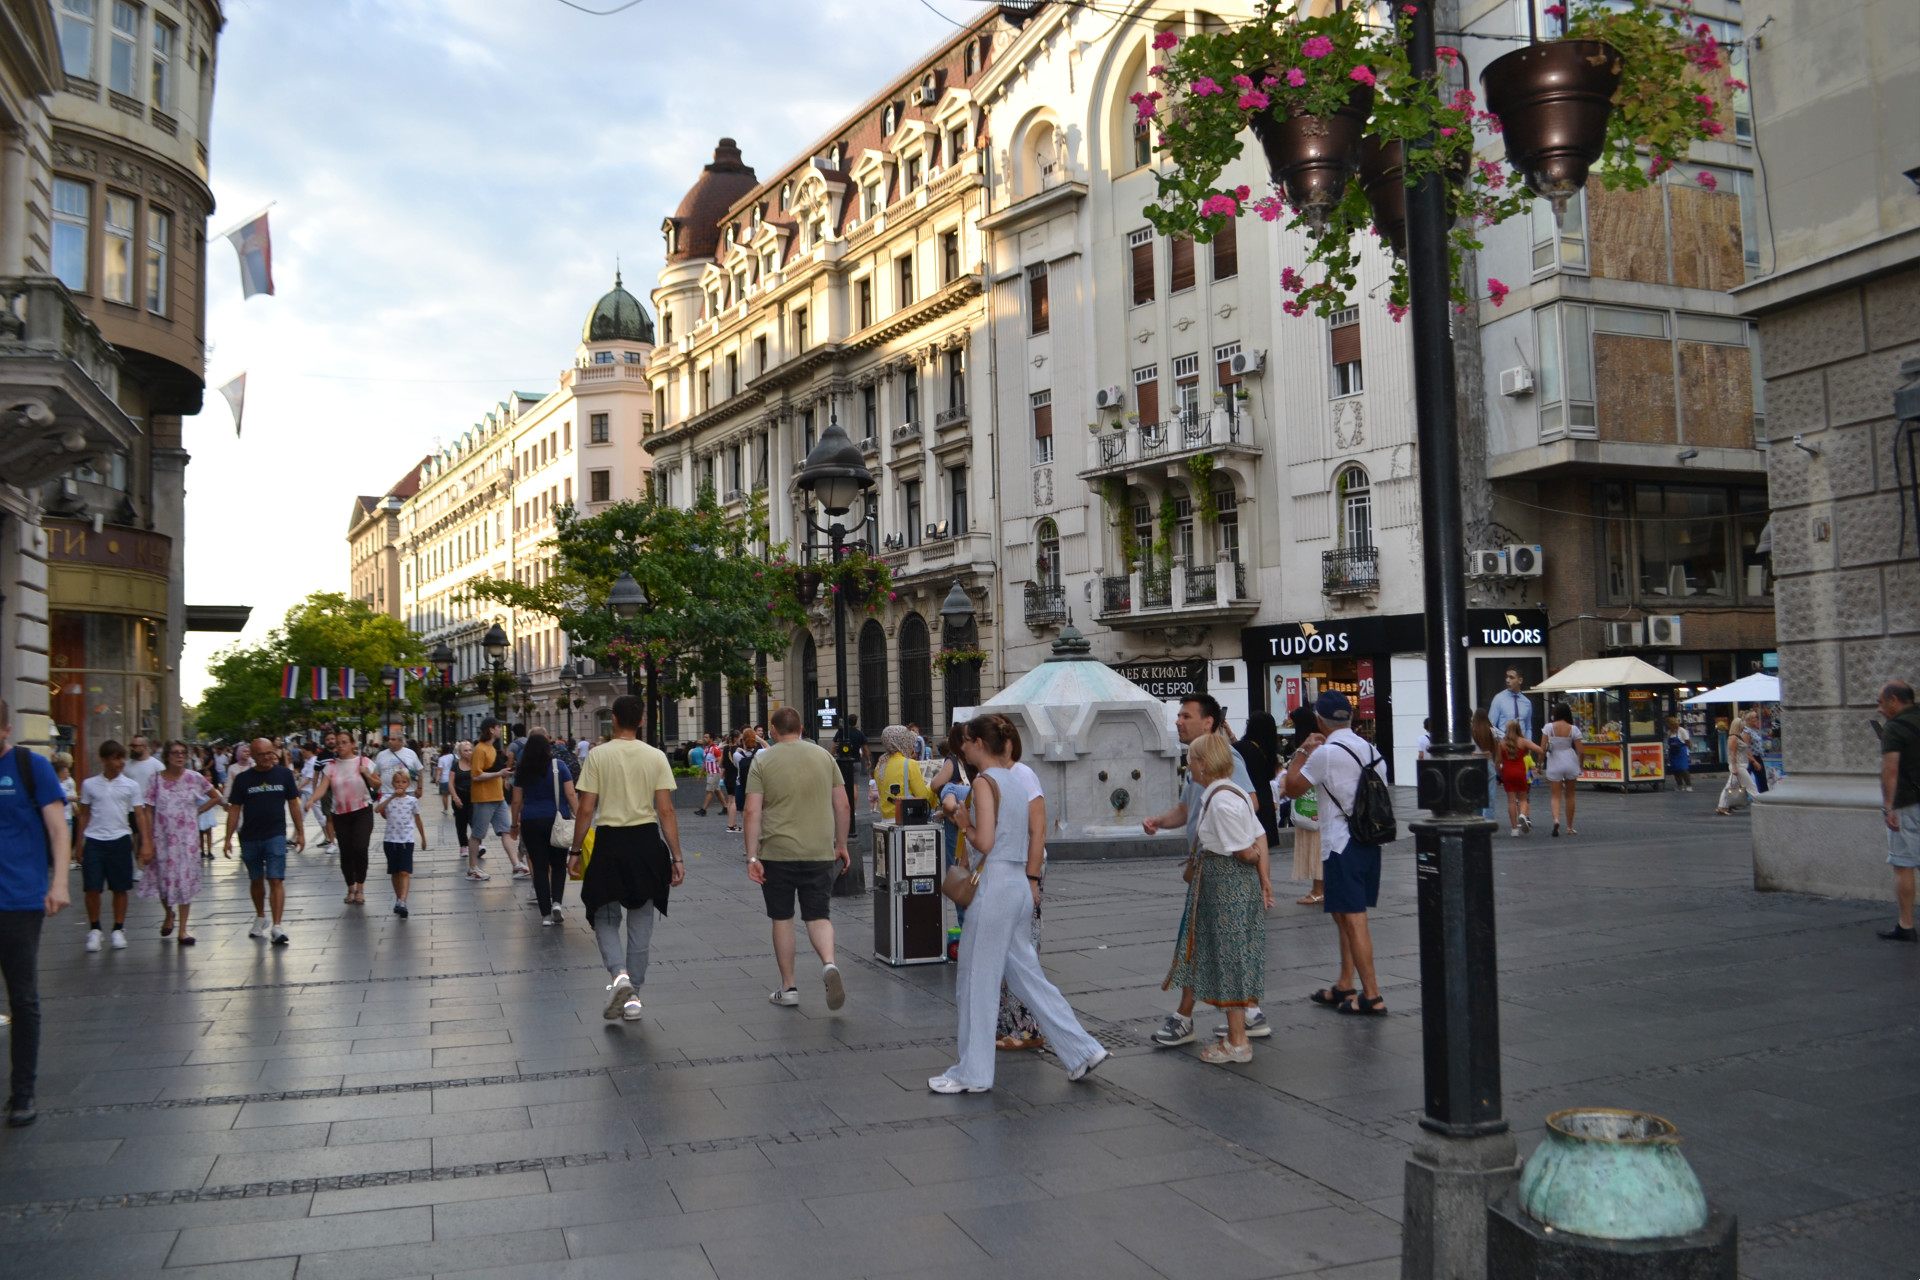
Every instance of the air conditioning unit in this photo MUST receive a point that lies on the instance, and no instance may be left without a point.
(928, 90)
(1109, 398)
(1623, 635)
(1516, 382)
(1246, 362)
(1524, 561)
(1486, 564)
(1663, 630)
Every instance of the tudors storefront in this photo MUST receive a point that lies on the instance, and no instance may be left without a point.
(1380, 663)
(107, 594)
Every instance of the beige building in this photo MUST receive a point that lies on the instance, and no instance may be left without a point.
(1836, 94)
(373, 545)
(845, 285)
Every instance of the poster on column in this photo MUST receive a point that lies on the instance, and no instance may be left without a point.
(1365, 711)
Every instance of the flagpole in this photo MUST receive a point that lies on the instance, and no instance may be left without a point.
(246, 220)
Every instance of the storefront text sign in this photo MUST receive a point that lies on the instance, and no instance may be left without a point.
(1171, 678)
(1387, 634)
(113, 547)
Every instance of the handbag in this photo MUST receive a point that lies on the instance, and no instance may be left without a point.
(562, 837)
(958, 885)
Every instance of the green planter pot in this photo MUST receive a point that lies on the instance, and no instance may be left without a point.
(1614, 1175)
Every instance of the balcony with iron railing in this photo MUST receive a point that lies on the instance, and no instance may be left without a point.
(1350, 571)
(953, 417)
(61, 382)
(1141, 445)
(1046, 604)
(1177, 595)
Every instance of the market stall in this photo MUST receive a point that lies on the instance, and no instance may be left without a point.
(1619, 704)
(1760, 691)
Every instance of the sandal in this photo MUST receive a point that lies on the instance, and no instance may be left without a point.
(1220, 1053)
(186, 940)
(1358, 1004)
(1331, 996)
(1311, 900)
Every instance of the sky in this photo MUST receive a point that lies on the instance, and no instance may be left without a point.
(451, 183)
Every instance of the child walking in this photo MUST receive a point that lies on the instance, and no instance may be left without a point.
(402, 812)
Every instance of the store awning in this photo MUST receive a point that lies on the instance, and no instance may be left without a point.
(1758, 687)
(218, 617)
(1604, 673)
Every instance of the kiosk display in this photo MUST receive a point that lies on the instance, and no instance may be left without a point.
(909, 915)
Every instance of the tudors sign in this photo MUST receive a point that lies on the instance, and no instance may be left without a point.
(1170, 678)
(1386, 634)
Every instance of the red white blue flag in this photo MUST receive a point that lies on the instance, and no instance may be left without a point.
(289, 682)
(320, 693)
(255, 247)
(345, 682)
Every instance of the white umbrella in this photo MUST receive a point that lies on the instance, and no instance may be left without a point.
(1605, 673)
(1758, 687)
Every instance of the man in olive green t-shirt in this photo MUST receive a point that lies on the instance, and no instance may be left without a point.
(796, 811)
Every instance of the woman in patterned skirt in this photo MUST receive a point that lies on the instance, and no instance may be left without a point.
(1221, 951)
(176, 797)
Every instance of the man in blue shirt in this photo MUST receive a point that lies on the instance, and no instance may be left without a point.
(1511, 704)
(34, 859)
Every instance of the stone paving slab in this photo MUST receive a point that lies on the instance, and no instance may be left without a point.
(440, 1096)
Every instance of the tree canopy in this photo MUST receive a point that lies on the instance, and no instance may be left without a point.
(324, 630)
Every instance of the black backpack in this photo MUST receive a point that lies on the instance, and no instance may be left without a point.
(1371, 819)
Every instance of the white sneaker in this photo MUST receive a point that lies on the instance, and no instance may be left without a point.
(787, 999)
(559, 916)
(279, 936)
(477, 875)
(1258, 1028)
(546, 922)
(1081, 1072)
(941, 1084)
(138, 875)
(119, 940)
(1515, 833)
(631, 1011)
(93, 939)
(836, 988)
(259, 929)
(1526, 823)
(622, 989)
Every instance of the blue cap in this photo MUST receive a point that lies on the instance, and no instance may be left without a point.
(1333, 707)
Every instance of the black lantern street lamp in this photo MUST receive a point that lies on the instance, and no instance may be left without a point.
(956, 611)
(442, 659)
(389, 674)
(495, 644)
(836, 476)
(628, 600)
(569, 676)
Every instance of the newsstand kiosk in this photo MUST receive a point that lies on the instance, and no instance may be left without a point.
(909, 915)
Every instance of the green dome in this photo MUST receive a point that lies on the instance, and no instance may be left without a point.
(618, 317)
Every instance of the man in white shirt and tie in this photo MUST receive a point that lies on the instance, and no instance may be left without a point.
(1511, 704)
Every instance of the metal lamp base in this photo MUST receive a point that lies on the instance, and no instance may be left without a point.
(1450, 1183)
(1521, 1248)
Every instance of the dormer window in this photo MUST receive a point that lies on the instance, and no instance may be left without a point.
(913, 174)
(673, 238)
(603, 357)
(889, 121)
(972, 58)
(786, 194)
(872, 197)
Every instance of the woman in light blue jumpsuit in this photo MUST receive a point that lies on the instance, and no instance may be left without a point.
(997, 942)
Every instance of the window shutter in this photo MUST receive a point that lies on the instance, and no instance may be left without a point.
(1146, 397)
(1042, 421)
(1143, 271)
(1223, 374)
(1226, 251)
(1346, 344)
(1182, 272)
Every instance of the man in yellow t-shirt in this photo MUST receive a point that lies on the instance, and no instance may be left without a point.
(490, 809)
(626, 797)
(797, 818)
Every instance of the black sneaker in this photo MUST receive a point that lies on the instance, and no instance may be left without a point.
(21, 1113)
(1899, 934)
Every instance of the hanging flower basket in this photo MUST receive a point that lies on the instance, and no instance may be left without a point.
(806, 586)
(1383, 178)
(1313, 158)
(1553, 101)
(947, 659)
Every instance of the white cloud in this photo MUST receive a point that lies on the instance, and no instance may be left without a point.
(453, 180)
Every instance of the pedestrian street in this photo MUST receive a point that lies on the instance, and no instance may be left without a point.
(440, 1095)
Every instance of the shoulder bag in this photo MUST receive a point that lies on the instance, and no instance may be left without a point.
(958, 884)
(562, 837)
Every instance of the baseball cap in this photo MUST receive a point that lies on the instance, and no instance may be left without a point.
(1333, 707)
(489, 723)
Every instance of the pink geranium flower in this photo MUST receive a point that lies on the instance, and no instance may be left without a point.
(1157, 69)
(1317, 47)
(1447, 54)
(1713, 128)
(1362, 74)
(1294, 308)
(1741, 85)
(1296, 77)
(1396, 311)
(1707, 180)
(1241, 192)
(1165, 40)
(1448, 133)
(1555, 11)
(1269, 208)
(1703, 100)
(1243, 82)
(1497, 291)
(1205, 87)
(1254, 101)
(1292, 281)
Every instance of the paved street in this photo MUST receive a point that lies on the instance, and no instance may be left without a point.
(440, 1095)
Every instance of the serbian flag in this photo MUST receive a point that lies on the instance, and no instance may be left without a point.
(345, 681)
(398, 684)
(255, 247)
(289, 682)
(319, 683)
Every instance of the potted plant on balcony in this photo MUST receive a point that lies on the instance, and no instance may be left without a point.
(1332, 100)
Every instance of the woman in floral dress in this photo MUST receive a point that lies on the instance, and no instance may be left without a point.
(176, 797)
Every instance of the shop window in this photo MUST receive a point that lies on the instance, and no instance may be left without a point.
(1560, 244)
(1140, 253)
(1226, 250)
(1563, 383)
(1042, 406)
(1037, 319)
(1354, 493)
(1665, 547)
(106, 675)
(1344, 345)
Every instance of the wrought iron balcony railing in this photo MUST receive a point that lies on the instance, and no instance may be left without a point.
(1046, 603)
(1350, 571)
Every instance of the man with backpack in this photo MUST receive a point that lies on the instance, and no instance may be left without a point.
(1356, 817)
(34, 855)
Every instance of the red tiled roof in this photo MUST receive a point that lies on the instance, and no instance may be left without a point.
(408, 484)
(719, 186)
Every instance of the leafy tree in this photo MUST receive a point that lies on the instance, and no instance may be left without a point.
(324, 630)
(714, 598)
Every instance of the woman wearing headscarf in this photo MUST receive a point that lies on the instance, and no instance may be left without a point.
(899, 775)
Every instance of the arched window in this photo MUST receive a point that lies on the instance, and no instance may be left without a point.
(916, 673)
(874, 705)
(1354, 492)
(809, 686)
(1046, 554)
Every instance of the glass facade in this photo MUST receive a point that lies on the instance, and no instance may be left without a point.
(108, 671)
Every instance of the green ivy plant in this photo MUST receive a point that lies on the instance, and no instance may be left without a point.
(1121, 513)
(1201, 467)
(1169, 521)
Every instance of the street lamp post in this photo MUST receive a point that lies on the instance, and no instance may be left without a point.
(442, 658)
(569, 675)
(389, 674)
(525, 683)
(1465, 1155)
(835, 475)
(628, 600)
(956, 623)
(495, 644)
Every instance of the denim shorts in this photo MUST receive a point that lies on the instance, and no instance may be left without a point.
(1903, 846)
(107, 864)
(399, 857)
(265, 858)
(491, 815)
(1352, 879)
